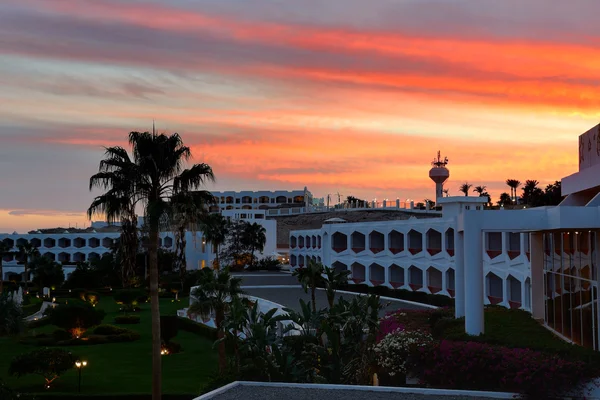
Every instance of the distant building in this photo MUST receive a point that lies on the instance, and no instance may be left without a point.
(262, 200)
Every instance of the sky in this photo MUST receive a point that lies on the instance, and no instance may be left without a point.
(347, 96)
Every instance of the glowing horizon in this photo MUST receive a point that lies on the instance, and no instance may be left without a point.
(342, 97)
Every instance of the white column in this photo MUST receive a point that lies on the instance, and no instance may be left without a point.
(473, 245)
(444, 281)
(397, 203)
(504, 248)
(536, 249)
(459, 274)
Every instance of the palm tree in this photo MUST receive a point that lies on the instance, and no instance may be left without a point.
(186, 212)
(152, 178)
(505, 199)
(310, 277)
(514, 185)
(28, 252)
(465, 187)
(128, 246)
(255, 238)
(333, 280)
(215, 291)
(214, 230)
(480, 190)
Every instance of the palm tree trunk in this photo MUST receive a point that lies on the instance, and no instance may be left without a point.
(219, 318)
(26, 276)
(312, 295)
(218, 266)
(155, 313)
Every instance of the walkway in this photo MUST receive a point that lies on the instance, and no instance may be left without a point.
(282, 288)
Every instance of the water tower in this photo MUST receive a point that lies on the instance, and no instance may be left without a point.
(439, 173)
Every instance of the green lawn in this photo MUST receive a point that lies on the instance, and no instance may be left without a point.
(123, 368)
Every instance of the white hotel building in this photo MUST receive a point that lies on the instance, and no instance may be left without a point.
(543, 260)
(262, 200)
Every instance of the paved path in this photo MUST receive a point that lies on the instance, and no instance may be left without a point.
(287, 292)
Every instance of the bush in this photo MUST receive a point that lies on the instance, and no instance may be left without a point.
(49, 363)
(75, 318)
(395, 352)
(479, 366)
(127, 319)
(106, 329)
(266, 264)
(186, 324)
(60, 335)
(130, 298)
(169, 326)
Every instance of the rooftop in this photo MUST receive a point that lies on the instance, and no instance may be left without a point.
(273, 391)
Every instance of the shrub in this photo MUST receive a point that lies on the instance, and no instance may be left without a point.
(266, 264)
(106, 329)
(419, 297)
(479, 366)
(60, 335)
(127, 319)
(75, 318)
(130, 298)
(186, 324)
(49, 363)
(169, 326)
(394, 353)
(11, 317)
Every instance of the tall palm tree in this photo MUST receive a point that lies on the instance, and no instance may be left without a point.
(152, 178)
(310, 277)
(255, 238)
(28, 252)
(465, 187)
(214, 230)
(514, 185)
(186, 213)
(215, 292)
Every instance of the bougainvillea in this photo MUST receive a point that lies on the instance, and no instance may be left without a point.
(479, 366)
(394, 352)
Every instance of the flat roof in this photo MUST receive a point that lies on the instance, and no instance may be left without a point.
(274, 391)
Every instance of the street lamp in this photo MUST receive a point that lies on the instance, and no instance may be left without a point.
(80, 365)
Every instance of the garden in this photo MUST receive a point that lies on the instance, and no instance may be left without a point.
(112, 335)
(347, 343)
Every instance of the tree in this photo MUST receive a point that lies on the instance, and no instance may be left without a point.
(333, 280)
(465, 187)
(214, 231)
(532, 195)
(235, 251)
(254, 238)
(480, 190)
(446, 192)
(28, 252)
(215, 291)
(310, 277)
(350, 200)
(153, 178)
(50, 363)
(128, 246)
(5, 250)
(47, 273)
(75, 318)
(513, 184)
(505, 199)
(11, 316)
(553, 194)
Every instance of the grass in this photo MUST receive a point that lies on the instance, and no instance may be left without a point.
(123, 368)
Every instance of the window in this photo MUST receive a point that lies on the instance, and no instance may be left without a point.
(203, 264)
(243, 215)
(237, 201)
(467, 207)
(478, 207)
(203, 246)
(259, 216)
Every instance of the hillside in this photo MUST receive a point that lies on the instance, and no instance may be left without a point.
(288, 223)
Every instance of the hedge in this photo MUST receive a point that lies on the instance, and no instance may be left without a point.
(186, 324)
(127, 319)
(402, 294)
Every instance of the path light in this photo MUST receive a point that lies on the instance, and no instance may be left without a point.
(80, 365)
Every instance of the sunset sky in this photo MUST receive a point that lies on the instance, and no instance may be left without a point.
(348, 96)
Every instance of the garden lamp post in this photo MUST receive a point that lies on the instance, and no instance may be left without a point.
(80, 365)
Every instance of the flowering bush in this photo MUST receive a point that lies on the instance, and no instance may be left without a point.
(479, 366)
(389, 324)
(394, 352)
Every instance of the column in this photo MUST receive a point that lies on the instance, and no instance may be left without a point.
(444, 281)
(459, 274)
(504, 248)
(473, 248)
(397, 203)
(536, 249)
